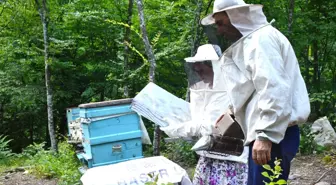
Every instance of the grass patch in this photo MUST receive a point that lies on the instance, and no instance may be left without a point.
(47, 164)
(41, 162)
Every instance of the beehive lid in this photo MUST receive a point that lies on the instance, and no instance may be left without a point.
(106, 103)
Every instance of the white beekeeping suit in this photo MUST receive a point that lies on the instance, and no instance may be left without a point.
(262, 76)
(207, 102)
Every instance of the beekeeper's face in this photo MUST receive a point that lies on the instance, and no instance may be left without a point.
(204, 71)
(225, 28)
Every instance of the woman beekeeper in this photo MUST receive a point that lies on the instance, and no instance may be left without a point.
(208, 101)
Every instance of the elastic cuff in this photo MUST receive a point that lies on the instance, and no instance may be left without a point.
(261, 136)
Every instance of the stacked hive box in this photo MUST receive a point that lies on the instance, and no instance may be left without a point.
(111, 133)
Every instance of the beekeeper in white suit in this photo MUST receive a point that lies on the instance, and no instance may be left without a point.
(208, 100)
(264, 83)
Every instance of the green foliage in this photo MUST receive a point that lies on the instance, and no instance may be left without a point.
(325, 101)
(32, 150)
(45, 163)
(307, 143)
(273, 174)
(5, 152)
(127, 26)
(330, 158)
(87, 53)
(181, 153)
(155, 181)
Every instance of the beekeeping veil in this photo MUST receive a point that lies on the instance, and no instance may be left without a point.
(245, 17)
(208, 101)
(208, 98)
(204, 67)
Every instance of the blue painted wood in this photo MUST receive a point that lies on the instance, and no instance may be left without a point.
(111, 133)
(103, 111)
(125, 150)
(115, 137)
(71, 114)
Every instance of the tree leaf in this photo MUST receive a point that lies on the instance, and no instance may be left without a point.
(281, 181)
(267, 167)
(265, 174)
(278, 168)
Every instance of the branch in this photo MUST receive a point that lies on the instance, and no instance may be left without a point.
(207, 10)
(136, 51)
(125, 25)
(196, 27)
(13, 17)
(38, 5)
(3, 28)
(39, 9)
(2, 9)
(45, 8)
(318, 180)
(145, 39)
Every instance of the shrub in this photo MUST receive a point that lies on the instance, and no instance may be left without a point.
(273, 174)
(5, 152)
(307, 143)
(181, 153)
(62, 165)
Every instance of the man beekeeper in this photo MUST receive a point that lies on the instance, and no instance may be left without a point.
(266, 90)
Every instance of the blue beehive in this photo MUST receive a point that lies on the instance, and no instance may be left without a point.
(72, 114)
(111, 133)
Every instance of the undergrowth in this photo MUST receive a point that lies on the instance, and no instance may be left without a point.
(47, 164)
(181, 153)
(41, 162)
(307, 142)
(273, 174)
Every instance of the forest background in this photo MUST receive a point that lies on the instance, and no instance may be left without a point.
(97, 53)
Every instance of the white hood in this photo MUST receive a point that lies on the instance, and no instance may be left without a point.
(247, 19)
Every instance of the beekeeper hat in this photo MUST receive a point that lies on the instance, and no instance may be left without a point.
(223, 5)
(206, 52)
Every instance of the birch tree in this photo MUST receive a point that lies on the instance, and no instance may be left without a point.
(151, 57)
(126, 48)
(290, 15)
(43, 11)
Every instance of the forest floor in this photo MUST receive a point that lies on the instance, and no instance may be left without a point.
(306, 170)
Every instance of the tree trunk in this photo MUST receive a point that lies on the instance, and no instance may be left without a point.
(334, 89)
(43, 11)
(148, 47)
(151, 57)
(316, 79)
(31, 130)
(316, 65)
(126, 48)
(290, 16)
(2, 103)
(196, 28)
(307, 66)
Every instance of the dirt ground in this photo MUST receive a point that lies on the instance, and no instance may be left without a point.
(306, 170)
(22, 178)
(309, 170)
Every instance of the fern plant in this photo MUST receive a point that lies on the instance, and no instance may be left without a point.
(274, 174)
(5, 152)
